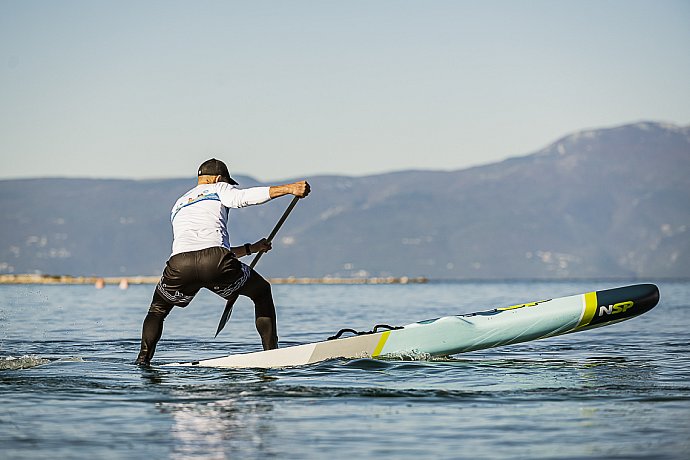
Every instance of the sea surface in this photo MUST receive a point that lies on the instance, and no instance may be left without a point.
(69, 390)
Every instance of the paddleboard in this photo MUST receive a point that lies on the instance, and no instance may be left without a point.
(451, 335)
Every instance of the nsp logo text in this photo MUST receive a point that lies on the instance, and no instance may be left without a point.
(620, 307)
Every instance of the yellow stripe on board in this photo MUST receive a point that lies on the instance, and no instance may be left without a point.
(590, 309)
(382, 342)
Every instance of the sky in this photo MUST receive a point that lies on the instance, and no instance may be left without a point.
(294, 89)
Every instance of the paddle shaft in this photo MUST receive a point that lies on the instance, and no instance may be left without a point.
(273, 233)
(231, 301)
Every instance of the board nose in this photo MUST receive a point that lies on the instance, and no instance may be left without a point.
(644, 297)
(649, 296)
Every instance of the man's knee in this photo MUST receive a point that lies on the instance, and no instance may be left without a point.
(159, 307)
(264, 289)
(257, 288)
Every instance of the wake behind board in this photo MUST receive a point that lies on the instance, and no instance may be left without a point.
(450, 335)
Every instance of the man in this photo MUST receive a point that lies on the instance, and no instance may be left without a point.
(203, 258)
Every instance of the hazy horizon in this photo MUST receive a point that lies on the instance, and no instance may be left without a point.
(191, 176)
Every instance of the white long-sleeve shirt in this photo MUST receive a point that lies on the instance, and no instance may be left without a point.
(200, 216)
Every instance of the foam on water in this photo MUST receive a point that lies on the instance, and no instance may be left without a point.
(21, 362)
(412, 355)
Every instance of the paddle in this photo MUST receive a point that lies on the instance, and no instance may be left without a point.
(231, 301)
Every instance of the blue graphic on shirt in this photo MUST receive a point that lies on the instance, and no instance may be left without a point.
(203, 196)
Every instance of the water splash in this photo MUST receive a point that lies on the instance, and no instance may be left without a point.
(411, 355)
(22, 362)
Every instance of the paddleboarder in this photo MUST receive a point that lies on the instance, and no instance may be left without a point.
(203, 258)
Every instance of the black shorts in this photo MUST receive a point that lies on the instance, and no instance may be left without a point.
(216, 269)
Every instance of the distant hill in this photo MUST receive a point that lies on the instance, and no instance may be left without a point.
(609, 203)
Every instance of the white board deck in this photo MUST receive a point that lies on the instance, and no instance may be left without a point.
(463, 333)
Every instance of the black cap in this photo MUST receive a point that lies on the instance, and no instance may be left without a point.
(215, 167)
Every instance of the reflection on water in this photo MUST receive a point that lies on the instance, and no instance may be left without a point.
(226, 413)
(217, 429)
(214, 413)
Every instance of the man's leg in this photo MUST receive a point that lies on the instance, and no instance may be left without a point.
(176, 287)
(259, 290)
(152, 329)
(235, 278)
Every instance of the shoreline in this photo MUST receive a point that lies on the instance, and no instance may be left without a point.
(137, 280)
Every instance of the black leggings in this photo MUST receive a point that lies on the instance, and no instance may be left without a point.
(218, 270)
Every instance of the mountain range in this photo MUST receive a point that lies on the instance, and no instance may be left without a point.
(602, 203)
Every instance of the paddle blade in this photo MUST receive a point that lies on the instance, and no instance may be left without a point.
(226, 314)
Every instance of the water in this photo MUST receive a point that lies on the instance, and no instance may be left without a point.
(69, 390)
